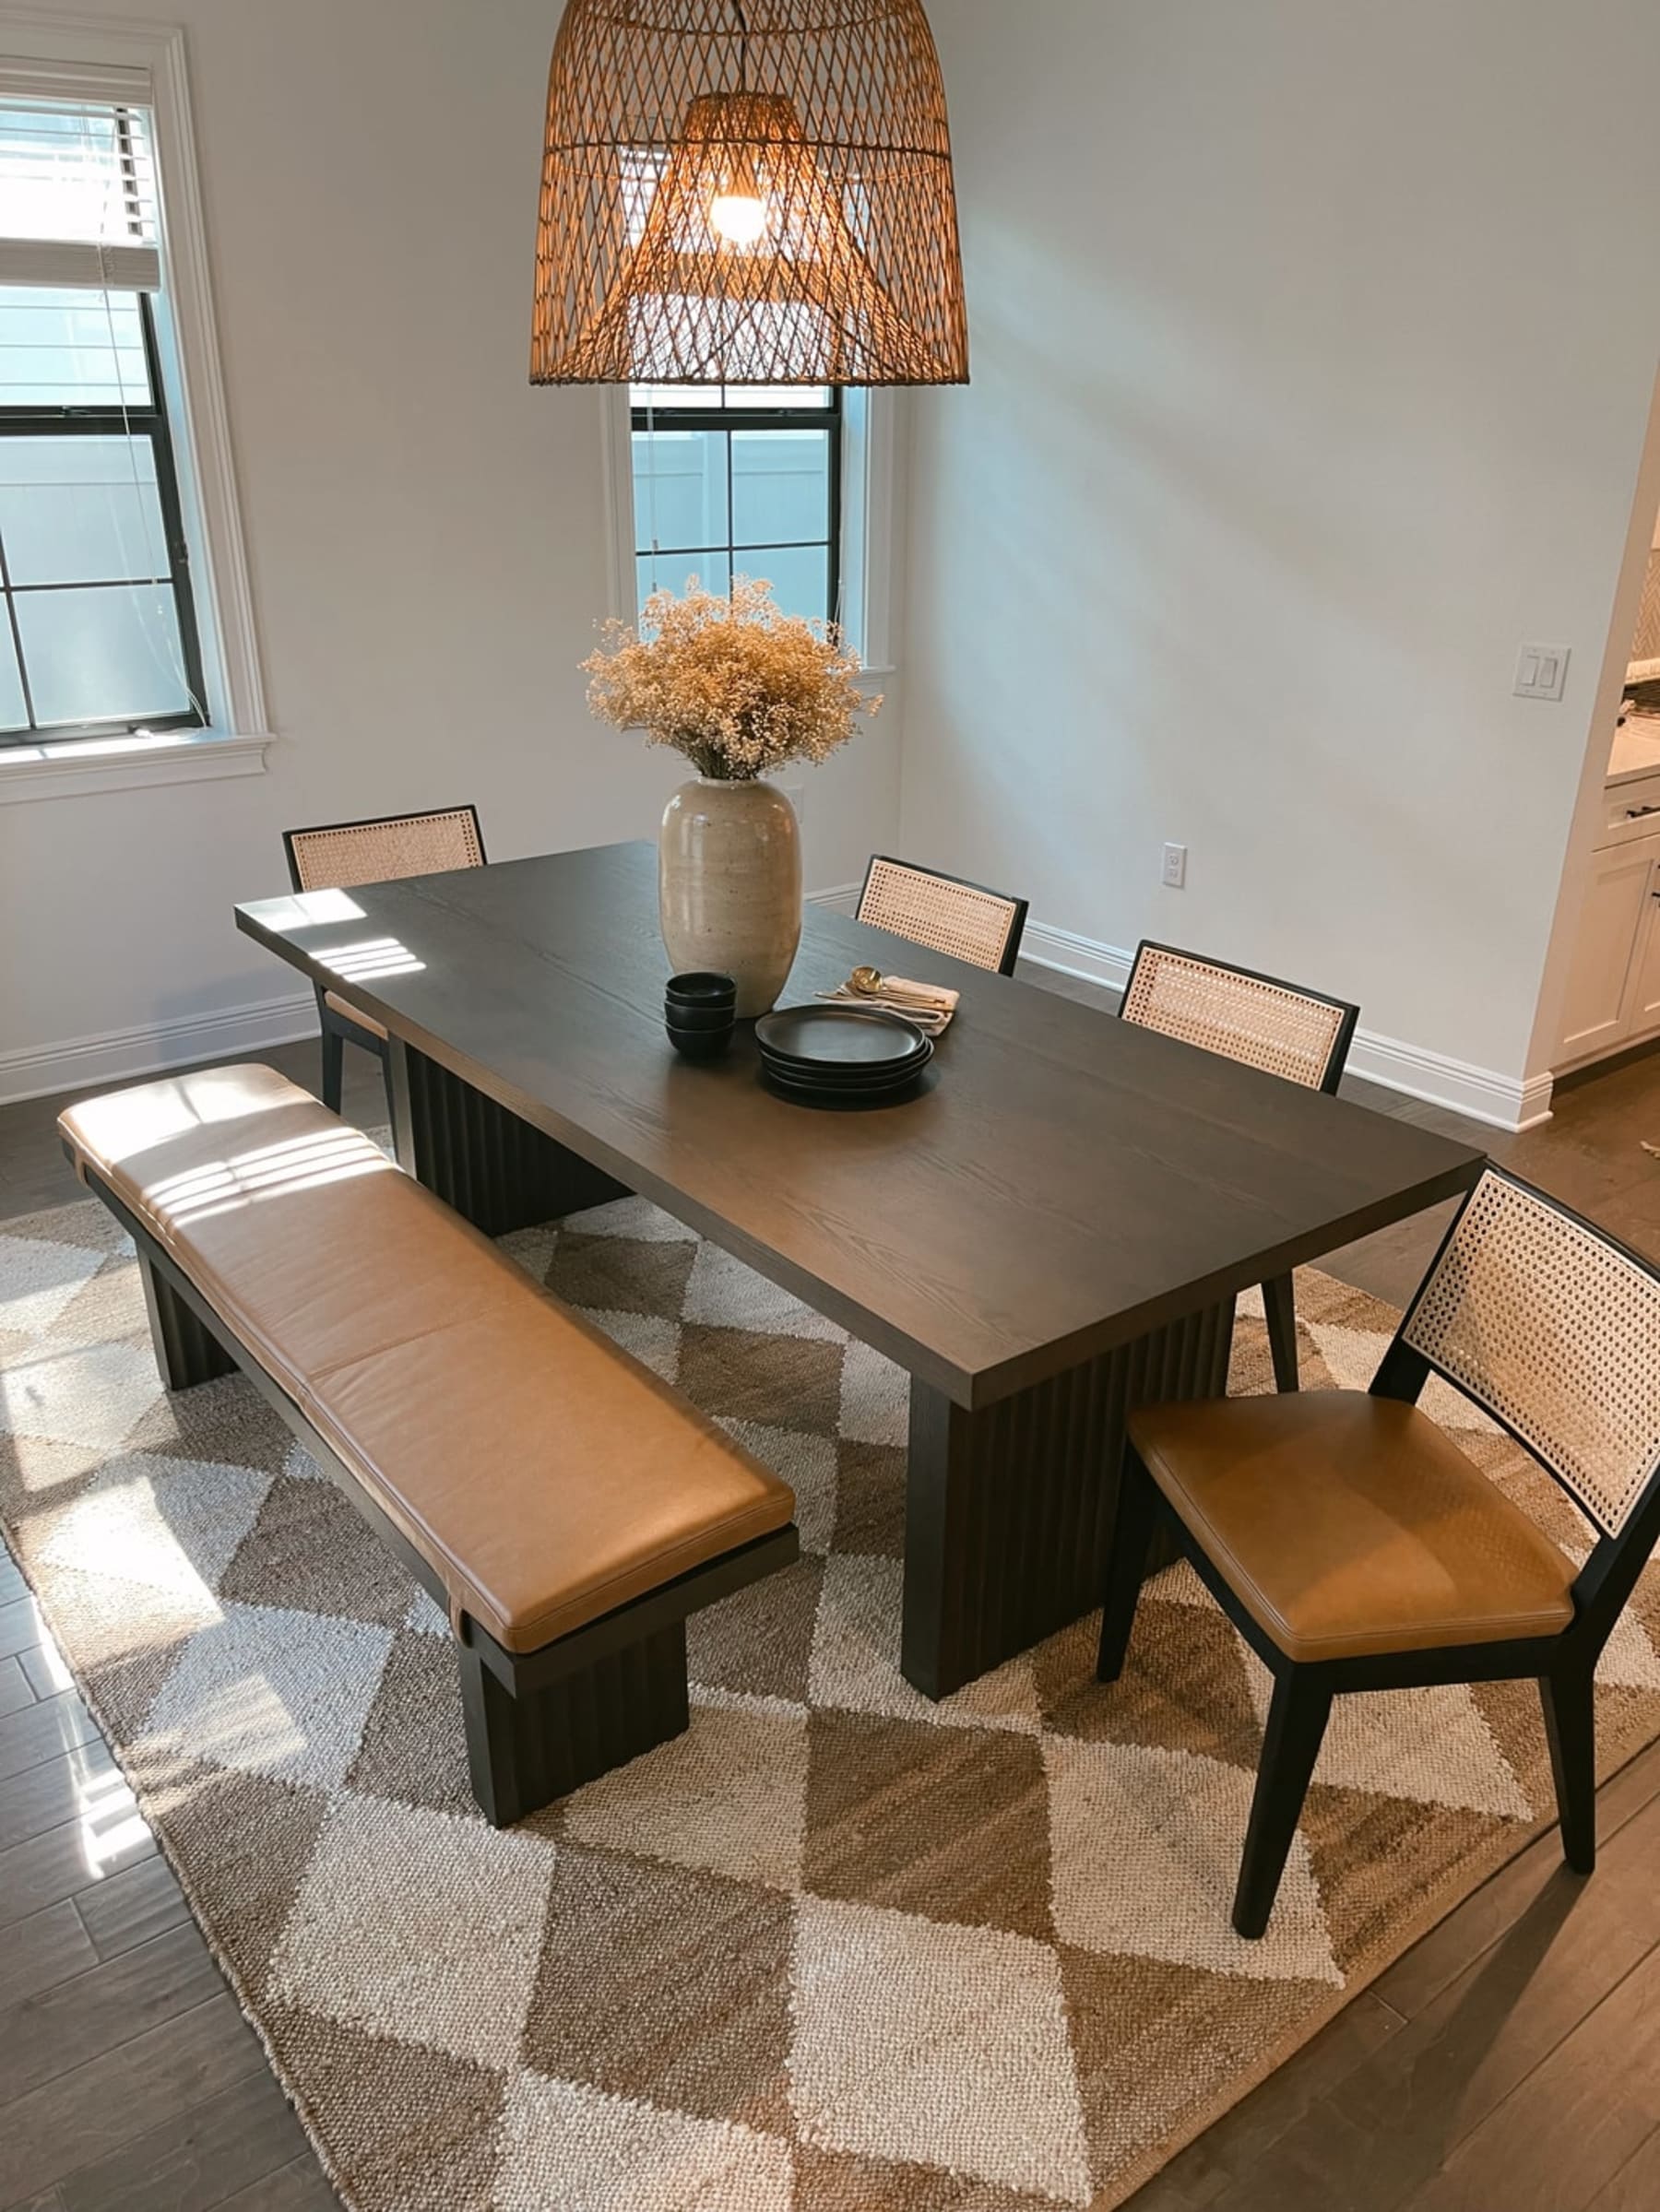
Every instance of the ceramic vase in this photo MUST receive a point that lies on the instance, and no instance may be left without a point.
(730, 885)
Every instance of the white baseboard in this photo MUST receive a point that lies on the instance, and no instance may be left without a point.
(841, 898)
(83, 1063)
(1075, 955)
(1480, 1094)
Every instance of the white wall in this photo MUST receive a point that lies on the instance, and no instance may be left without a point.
(426, 532)
(1312, 351)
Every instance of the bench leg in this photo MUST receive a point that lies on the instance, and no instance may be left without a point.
(526, 1751)
(186, 1350)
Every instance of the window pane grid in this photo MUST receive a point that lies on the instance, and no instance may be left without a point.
(713, 468)
(99, 634)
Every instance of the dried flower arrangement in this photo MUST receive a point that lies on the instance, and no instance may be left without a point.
(736, 684)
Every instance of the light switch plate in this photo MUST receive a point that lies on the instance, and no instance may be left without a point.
(1541, 671)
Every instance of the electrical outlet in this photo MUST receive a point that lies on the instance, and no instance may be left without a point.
(1175, 867)
(1541, 671)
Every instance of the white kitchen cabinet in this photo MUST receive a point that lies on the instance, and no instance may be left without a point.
(1643, 985)
(1614, 985)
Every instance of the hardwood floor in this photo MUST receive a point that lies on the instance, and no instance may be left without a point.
(1509, 2062)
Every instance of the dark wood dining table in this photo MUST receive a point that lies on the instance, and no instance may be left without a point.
(1052, 1228)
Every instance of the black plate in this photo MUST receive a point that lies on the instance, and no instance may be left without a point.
(838, 1088)
(837, 1037)
(856, 1078)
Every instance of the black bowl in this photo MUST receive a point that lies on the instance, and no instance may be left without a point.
(704, 988)
(698, 1017)
(700, 1044)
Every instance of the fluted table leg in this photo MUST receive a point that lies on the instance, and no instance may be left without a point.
(1009, 1511)
(500, 1172)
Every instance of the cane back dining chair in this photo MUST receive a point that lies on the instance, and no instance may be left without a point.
(1263, 1023)
(944, 913)
(1356, 1547)
(337, 854)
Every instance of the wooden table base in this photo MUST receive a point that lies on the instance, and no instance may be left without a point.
(1009, 1511)
(498, 1171)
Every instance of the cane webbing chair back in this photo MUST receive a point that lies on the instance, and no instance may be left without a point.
(948, 916)
(1253, 1018)
(1553, 1328)
(344, 853)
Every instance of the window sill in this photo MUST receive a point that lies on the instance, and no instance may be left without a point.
(78, 769)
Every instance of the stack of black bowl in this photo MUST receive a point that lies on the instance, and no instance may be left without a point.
(700, 1011)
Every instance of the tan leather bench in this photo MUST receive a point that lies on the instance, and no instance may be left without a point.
(568, 1507)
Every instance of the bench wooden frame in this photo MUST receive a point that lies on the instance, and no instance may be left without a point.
(538, 1723)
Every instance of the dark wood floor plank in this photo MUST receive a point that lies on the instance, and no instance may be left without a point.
(297, 2188)
(1636, 2187)
(60, 1790)
(213, 2152)
(82, 2117)
(1389, 2127)
(40, 1731)
(16, 1689)
(66, 2025)
(131, 1907)
(1414, 1981)
(1208, 2168)
(1567, 2131)
(35, 1953)
(20, 1626)
(56, 1865)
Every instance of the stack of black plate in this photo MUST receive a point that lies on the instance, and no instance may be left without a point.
(840, 1055)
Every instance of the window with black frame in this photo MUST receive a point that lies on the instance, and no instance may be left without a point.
(745, 482)
(100, 636)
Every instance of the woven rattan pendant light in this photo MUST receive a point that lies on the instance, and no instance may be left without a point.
(747, 192)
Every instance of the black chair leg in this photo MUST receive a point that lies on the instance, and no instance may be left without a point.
(1280, 1302)
(1297, 1724)
(1126, 1563)
(1568, 1699)
(334, 1068)
(386, 1061)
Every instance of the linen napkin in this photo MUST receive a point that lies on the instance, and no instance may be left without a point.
(929, 1005)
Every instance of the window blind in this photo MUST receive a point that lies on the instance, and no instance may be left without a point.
(77, 197)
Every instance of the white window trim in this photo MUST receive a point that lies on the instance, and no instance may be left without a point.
(870, 507)
(57, 56)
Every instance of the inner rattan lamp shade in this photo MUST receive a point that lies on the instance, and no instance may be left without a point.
(830, 114)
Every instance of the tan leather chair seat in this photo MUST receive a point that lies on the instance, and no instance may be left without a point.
(336, 1004)
(1347, 1524)
(545, 1474)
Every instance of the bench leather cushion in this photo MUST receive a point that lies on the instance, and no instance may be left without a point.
(1347, 1524)
(546, 1474)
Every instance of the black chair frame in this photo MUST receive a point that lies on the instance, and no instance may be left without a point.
(338, 1030)
(1563, 1666)
(1279, 1295)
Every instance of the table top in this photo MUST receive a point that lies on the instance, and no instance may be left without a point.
(1061, 1183)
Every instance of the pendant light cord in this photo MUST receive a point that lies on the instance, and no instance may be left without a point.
(744, 36)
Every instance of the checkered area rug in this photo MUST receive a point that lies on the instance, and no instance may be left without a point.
(836, 1949)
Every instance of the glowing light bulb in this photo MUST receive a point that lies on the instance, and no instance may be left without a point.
(739, 216)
